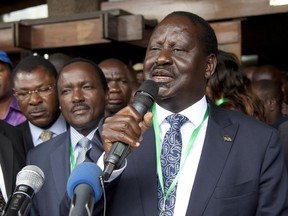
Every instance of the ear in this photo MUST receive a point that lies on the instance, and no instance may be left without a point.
(210, 66)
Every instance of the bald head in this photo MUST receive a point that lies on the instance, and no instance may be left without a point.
(265, 89)
(267, 72)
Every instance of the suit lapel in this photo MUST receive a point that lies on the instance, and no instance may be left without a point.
(218, 141)
(28, 141)
(149, 176)
(61, 168)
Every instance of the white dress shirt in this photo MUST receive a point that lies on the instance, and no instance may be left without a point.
(75, 136)
(195, 114)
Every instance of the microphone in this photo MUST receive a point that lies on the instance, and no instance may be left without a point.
(143, 100)
(28, 182)
(84, 188)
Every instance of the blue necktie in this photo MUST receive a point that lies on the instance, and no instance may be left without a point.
(170, 162)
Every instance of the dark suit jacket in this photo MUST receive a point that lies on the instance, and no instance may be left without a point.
(28, 141)
(53, 157)
(283, 133)
(242, 177)
(12, 157)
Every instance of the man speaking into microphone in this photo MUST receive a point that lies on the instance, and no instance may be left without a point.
(196, 159)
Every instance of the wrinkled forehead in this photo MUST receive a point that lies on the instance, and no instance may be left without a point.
(179, 27)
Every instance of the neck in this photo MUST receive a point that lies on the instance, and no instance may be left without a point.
(177, 105)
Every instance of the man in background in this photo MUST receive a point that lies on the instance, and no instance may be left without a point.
(83, 92)
(34, 80)
(58, 60)
(9, 110)
(120, 88)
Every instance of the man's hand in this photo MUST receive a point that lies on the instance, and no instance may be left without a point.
(126, 126)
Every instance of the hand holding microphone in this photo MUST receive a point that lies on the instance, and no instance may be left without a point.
(28, 182)
(143, 100)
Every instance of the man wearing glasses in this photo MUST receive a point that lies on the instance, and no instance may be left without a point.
(34, 80)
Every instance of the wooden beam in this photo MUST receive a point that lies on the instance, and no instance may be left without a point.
(227, 31)
(77, 30)
(72, 33)
(125, 28)
(7, 37)
(208, 9)
(22, 35)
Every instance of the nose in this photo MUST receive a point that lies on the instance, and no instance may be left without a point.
(78, 96)
(35, 98)
(113, 86)
(164, 57)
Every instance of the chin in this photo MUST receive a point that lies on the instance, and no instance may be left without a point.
(42, 123)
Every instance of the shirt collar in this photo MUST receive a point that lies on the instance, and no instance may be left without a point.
(194, 113)
(57, 128)
(76, 136)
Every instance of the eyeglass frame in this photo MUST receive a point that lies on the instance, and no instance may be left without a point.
(40, 91)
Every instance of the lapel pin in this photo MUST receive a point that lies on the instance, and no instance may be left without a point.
(227, 138)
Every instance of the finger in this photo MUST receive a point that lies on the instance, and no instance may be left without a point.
(124, 129)
(147, 122)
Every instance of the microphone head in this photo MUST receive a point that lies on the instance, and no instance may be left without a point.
(86, 173)
(31, 176)
(150, 87)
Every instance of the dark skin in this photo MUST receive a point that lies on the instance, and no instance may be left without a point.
(81, 96)
(176, 60)
(40, 111)
(117, 76)
(5, 88)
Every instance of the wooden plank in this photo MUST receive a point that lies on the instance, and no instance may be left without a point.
(7, 37)
(83, 32)
(228, 31)
(208, 9)
(22, 35)
(81, 29)
(125, 28)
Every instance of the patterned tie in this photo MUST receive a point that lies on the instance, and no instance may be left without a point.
(2, 203)
(83, 147)
(170, 162)
(46, 135)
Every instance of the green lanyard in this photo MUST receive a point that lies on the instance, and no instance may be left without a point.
(186, 153)
(72, 157)
(221, 101)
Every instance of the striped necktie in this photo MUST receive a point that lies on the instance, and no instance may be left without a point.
(83, 148)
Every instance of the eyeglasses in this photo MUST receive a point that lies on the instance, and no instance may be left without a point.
(42, 91)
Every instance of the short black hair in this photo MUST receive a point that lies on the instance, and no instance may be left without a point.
(98, 70)
(207, 35)
(30, 63)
